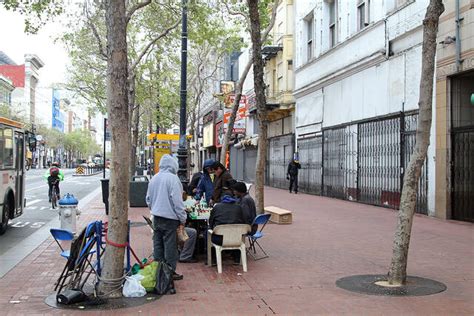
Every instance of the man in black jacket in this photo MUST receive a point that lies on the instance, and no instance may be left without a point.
(247, 203)
(227, 211)
(292, 175)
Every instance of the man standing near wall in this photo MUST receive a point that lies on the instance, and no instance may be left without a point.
(292, 175)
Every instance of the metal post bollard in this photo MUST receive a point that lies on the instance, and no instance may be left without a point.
(68, 212)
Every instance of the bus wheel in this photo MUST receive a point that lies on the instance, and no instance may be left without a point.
(4, 222)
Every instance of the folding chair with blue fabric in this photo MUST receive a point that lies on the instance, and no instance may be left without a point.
(78, 258)
(62, 235)
(261, 220)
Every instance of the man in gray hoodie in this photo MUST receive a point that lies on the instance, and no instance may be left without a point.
(164, 198)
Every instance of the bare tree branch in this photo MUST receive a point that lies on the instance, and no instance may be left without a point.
(151, 43)
(102, 52)
(232, 12)
(136, 7)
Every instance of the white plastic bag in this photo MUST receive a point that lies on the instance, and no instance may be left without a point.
(132, 286)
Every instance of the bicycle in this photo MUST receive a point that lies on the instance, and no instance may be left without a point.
(54, 194)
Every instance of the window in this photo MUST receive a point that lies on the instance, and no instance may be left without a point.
(332, 23)
(363, 14)
(7, 144)
(309, 36)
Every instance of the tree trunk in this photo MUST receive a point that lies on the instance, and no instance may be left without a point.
(240, 84)
(117, 106)
(235, 108)
(398, 267)
(260, 168)
(259, 87)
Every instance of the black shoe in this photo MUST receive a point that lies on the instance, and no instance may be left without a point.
(192, 260)
(291, 192)
(296, 192)
(177, 277)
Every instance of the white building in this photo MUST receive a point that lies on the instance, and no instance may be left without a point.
(25, 79)
(357, 69)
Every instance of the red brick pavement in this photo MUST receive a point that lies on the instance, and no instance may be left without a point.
(328, 239)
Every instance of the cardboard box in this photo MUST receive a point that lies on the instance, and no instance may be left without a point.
(279, 215)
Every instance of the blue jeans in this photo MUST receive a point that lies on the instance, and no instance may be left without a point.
(165, 247)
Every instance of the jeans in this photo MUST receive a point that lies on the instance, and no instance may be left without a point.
(165, 246)
(188, 247)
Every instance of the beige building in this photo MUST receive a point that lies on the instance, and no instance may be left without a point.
(279, 69)
(454, 112)
(279, 94)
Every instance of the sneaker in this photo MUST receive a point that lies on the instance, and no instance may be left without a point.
(177, 277)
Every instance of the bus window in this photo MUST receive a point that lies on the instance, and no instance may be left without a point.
(2, 145)
(7, 148)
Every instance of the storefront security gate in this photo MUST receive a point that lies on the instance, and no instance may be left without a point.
(362, 162)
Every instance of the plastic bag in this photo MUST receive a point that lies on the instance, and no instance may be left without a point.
(182, 235)
(132, 286)
(149, 276)
(164, 280)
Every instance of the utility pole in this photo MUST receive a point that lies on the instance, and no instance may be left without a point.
(182, 150)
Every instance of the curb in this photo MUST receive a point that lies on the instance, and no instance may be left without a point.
(86, 175)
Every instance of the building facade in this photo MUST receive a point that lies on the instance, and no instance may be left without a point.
(25, 78)
(454, 112)
(357, 74)
(6, 88)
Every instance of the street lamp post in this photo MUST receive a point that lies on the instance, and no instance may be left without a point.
(182, 149)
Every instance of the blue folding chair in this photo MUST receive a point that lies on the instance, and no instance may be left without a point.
(260, 220)
(62, 235)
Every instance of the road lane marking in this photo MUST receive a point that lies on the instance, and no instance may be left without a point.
(41, 186)
(32, 202)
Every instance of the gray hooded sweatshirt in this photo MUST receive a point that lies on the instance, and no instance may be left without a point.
(165, 192)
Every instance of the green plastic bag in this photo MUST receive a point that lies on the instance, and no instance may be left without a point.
(149, 276)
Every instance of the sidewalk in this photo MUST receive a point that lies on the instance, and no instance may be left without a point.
(328, 239)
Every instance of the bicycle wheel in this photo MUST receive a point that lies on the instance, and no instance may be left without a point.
(54, 198)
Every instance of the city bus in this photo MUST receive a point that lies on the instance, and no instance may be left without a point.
(13, 140)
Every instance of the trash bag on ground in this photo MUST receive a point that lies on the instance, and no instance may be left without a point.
(132, 286)
(164, 280)
(149, 276)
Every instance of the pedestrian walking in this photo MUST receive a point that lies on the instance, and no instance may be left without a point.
(292, 175)
(165, 200)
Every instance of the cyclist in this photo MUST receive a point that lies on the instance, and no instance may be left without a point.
(53, 176)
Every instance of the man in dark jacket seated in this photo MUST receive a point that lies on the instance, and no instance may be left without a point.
(227, 211)
(247, 203)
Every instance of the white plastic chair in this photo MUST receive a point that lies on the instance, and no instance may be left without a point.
(233, 237)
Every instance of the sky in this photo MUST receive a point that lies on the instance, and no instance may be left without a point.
(15, 43)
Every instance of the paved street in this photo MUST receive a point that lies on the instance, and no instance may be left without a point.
(32, 227)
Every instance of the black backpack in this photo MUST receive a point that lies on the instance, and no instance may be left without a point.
(164, 279)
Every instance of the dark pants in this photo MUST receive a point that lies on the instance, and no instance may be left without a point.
(53, 181)
(165, 247)
(294, 183)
